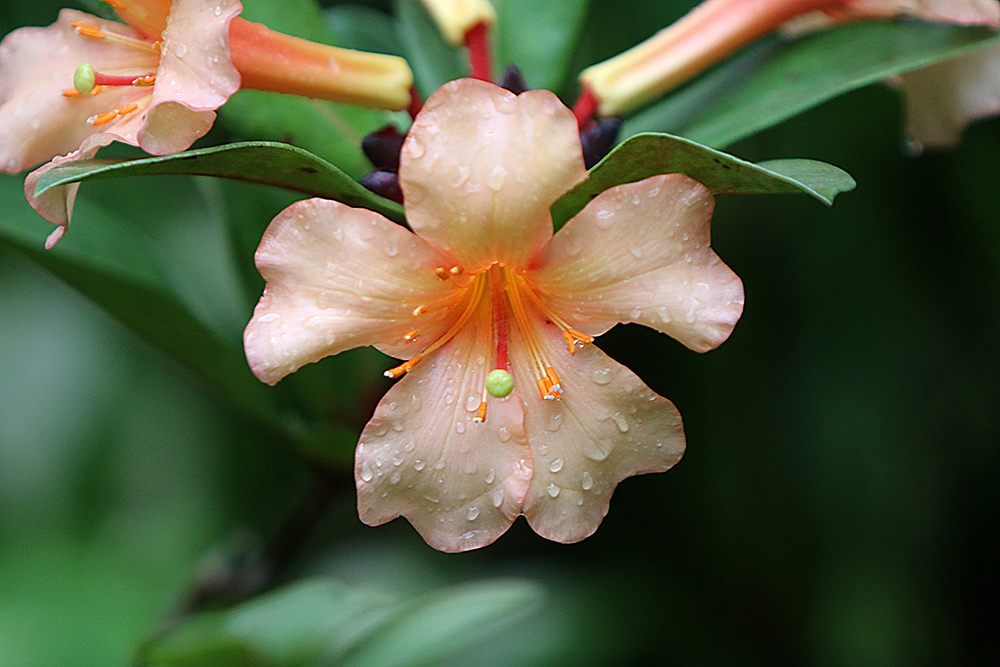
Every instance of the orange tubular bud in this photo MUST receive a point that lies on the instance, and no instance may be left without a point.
(455, 18)
(269, 60)
(706, 35)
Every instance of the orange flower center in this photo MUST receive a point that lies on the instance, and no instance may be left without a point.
(506, 291)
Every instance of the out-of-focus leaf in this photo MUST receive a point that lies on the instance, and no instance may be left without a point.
(539, 37)
(444, 623)
(323, 622)
(363, 28)
(433, 60)
(264, 162)
(648, 155)
(109, 262)
(776, 80)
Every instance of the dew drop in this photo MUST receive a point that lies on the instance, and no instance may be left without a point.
(600, 374)
(415, 147)
(460, 427)
(498, 496)
(635, 313)
(604, 218)
(636, 251)
(409, 446)
(449, 397)
(181, 50)
(418, 465)
(490, 476)
(503, 434)
(394, 477)
(556, 465)
(472, 403)
(636, 199)
(620, 422)
(473, 514)
(552, 490)
(579, 500)
(366, 472)
(497, 178)
(586, 481)
(555, 421)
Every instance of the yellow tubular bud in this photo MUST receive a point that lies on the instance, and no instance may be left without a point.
(456, 17)
(269, 60)
(710, 32)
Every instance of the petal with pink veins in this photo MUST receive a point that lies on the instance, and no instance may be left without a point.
(338, 278)
(460, 483)
(480, 168)
(607, 426)
(640, 253)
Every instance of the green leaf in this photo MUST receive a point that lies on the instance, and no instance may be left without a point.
(114, 262)
(433, 60)
(323, 622)
(364, 28)
(539, 37)
(257, 162)
(648, 155)
(775, 80)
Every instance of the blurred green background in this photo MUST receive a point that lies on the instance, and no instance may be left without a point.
(838, 503)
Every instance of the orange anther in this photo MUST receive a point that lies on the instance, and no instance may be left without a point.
(420, 310)
(102, 118)
(576, 339)
(403, 368)
(147, 80)
(411, 335)
(129, 108)
(115, 4)
(70, 92)
(456, 270)
(543, 391)
(87, 29)
(441, 273)
(480, 413)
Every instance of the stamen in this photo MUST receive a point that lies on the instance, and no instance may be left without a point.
(420, 310)
(403, 368)
(411, 335)
(480, 413)
(573, 337)
(441, 273)
(96, 32)
(108, 116)
(470, 307)
(547, 382)
(115, 4)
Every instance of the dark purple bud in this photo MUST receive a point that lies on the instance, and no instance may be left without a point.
(599, 138)
(513, 80)
(382, 148)
(385, 184)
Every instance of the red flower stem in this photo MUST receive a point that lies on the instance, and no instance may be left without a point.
(480, 58)
(111, 80)
(585, 107)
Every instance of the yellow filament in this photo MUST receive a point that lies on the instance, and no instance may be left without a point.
(478, 288)
(547, 382)
(572, 336)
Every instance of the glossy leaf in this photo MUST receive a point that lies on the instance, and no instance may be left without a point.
(648, 155)
(257, 162)
(539, 37)
(777, 79)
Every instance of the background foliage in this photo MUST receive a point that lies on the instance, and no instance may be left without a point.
(838, 503)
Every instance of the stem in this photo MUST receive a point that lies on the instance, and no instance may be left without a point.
(480, 57)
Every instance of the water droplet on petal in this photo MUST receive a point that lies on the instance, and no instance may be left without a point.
(552, 490)
(556, 465)
(490, 476)
(503, 434)
(620, 422)
(473, 514)
(472, 403)
(497, 178)
(460, 427)
(416, 147)
(498, 496)
(366, 472)
(418, 465)
(586, 481)
(600, 373)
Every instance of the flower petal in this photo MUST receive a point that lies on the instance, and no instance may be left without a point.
(56, 204)
(963, 12)
(460, 483)
(195, 75)
(480, 168)
(942, 99)
(341, 277)
(38, 122)
(607, 426)
(640, 253)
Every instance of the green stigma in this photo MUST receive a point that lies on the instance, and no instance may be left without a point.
(499, 383)
(84, 78)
